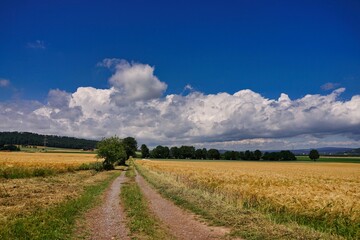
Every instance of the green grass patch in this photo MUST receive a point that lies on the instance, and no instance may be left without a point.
(56, 222)
(141, 222)
(25, 172)
(331, 159)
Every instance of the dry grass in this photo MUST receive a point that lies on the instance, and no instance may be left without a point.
(328, 192)
(20, 197)
(25, 196)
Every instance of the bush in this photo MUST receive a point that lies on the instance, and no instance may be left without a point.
(11, 148)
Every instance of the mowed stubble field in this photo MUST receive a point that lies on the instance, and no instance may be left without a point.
(25, 198)
(323, 196)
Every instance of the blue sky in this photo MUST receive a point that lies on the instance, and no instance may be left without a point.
(298, 48)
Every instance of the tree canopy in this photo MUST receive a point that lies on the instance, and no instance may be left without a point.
(314, 154)
(160, 152)
(145, 152)
(213, 154)
(130, 145)
(112, 149)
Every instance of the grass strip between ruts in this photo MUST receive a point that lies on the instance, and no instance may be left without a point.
(141, 222)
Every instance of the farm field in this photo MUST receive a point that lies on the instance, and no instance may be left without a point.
(34, 149)
(26, 202)
(322, 196)
(20, 164)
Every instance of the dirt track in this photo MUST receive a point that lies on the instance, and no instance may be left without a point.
(182, 224)
(107, 221)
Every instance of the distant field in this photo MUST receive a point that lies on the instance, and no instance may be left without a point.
(321, 195)
(343, 159)
(54, 150)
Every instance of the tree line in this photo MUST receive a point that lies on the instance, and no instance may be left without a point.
(190, 152)
(34, 139)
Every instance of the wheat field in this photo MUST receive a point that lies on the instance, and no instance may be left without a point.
(56, 160)
(23, 165)
(327, 192)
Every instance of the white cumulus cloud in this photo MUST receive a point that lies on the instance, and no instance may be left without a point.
(133, 81)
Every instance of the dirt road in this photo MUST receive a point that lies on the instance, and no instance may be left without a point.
(107, 221)
(182, 224)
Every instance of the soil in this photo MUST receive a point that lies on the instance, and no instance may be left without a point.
(106, 221)
(182, 224)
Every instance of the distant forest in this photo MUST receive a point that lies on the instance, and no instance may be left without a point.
(27, 138)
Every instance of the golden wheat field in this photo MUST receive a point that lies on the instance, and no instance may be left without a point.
(330, 190)
(49, 160)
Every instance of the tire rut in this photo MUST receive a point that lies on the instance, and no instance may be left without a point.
(182, 224)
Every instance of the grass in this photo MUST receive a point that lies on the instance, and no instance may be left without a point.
(141, 222)
(56, 222)
(335, 159)
(259, 202)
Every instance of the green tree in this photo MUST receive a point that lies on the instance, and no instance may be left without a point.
(213, 154)
(187, 152)
(198, 154)
(314, 155)
(257, 154)
(112, 150)
(145, 153)
(130, 145)
(204, 153)
(166, 152)
(287, 155)
(231, 155)
(249, 155)
(174, 152)
(160, 152)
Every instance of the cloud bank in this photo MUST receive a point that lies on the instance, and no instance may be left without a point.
(134, 105)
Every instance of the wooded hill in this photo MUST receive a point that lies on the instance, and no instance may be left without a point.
(27, 138)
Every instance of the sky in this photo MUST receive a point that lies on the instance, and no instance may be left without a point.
(225, 74)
